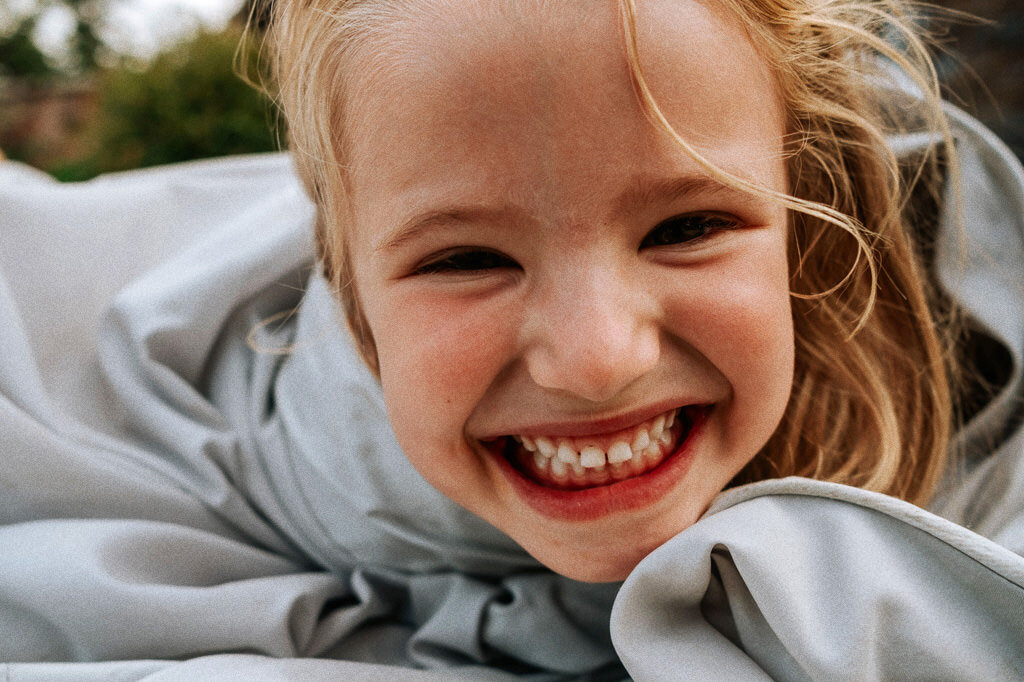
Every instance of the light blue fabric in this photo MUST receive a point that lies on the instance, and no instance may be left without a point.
(177, 505)
(169, 492)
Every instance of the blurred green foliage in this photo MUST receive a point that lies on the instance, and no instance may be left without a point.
(188, 103)
(19, 56)
(85, 42)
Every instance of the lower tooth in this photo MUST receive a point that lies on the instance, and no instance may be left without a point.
(620, 471)
(559, 468)
(540, 461)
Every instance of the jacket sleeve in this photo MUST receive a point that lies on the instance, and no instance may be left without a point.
(804, 580)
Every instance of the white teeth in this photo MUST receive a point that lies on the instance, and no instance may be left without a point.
(541, 461)
(546, 447)
(619, 452)
(567, 454)
(567, 459)
(592, 457)
(653, 452)
(642, 440)
(657, 428)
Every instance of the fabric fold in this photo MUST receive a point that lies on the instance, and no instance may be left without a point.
(873, 589)
(224, 478)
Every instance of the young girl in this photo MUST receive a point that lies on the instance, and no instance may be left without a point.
(606, 259)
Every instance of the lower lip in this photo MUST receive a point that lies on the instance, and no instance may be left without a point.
(588, 504)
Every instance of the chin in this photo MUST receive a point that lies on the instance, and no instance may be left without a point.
(605, 569)
(609, 550)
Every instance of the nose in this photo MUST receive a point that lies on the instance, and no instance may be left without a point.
(591, 334)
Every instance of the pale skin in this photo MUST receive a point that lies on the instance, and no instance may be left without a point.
(534, 257)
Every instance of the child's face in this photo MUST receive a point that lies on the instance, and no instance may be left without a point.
(543, 269)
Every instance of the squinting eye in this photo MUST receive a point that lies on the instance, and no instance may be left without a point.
(686, 228)
(466, 261)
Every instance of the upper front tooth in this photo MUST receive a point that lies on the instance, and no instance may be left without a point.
(529, 444)
(546, 447)
(619, 452)
(567, 454)
(670, 419)
(592, 457)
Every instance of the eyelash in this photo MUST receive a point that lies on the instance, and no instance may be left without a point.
(704, 224)
(666, 233)
(467, 260)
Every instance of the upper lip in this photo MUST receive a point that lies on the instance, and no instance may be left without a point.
(598, 426)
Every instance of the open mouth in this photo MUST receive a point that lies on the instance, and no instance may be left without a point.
(578, 463)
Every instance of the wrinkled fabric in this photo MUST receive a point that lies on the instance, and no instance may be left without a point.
(209, 476)
(198, 480)
(802, 580)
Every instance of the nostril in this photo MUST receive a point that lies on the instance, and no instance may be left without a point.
(591, 337)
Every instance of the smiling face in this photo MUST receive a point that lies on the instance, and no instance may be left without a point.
(582, 337)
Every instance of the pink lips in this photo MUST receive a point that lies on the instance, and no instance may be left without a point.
(589, 503)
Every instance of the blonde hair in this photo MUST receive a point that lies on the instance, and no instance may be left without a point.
(872, 401)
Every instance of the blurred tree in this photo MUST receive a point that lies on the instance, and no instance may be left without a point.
(19, 56)
(85, 42)
(188, 103)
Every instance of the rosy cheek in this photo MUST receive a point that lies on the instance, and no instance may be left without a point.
(438, 355)
(738, 317)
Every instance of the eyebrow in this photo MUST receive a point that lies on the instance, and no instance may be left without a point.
(424, 222)
(643, 190)
(647, 190)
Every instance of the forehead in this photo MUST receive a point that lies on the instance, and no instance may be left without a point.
(468, 85)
